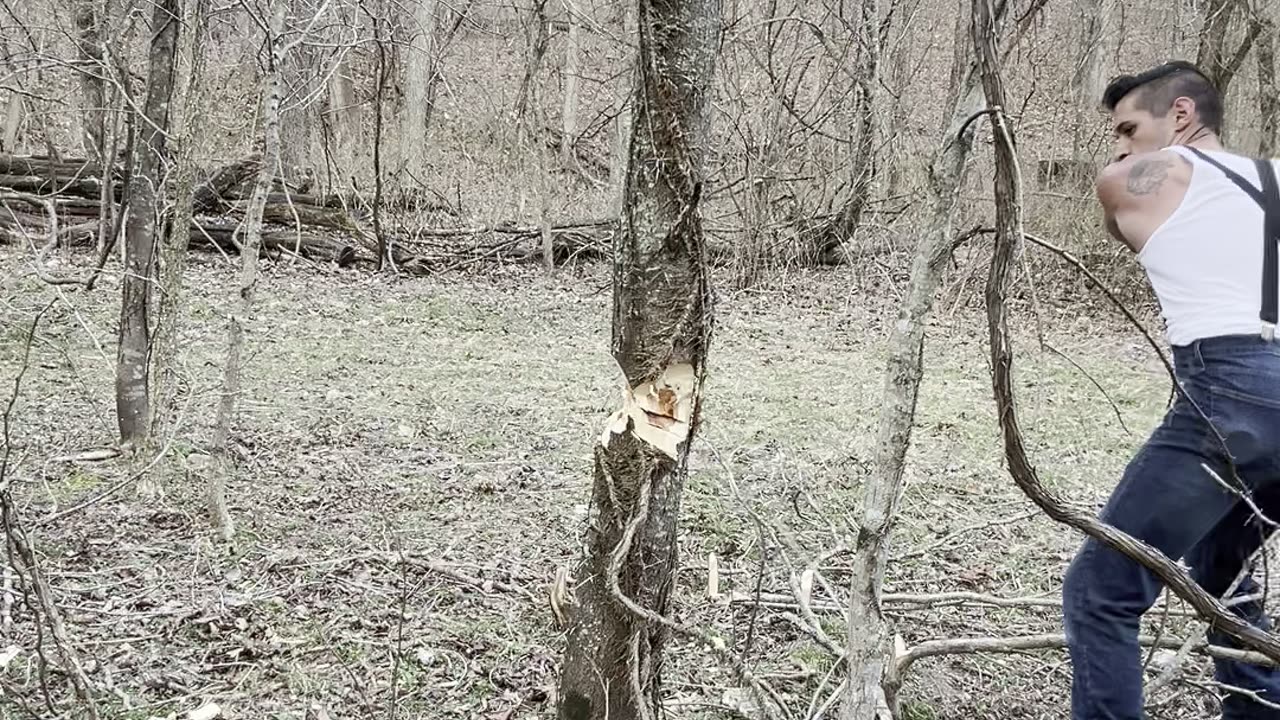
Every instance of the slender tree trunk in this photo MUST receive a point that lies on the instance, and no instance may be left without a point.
(863, 167)
(420, 88)
(89, 21)
(569, 111)
(146, 203)
(539, 37)
(1221, 62)
(868, 643)
(894, 152)
(622, 124)
(1268, 92)
(298, 131)
(661, 333)
(172, 259)
(1088, 81)
(960, 53)
(13, 113)
(344, 119)
(378, 135)
(272, 91)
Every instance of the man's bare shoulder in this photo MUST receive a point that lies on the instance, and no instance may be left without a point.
(1140, 177)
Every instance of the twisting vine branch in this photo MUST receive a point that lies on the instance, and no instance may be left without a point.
(1009, 234)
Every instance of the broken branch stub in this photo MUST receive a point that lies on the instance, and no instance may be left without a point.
(658, 412)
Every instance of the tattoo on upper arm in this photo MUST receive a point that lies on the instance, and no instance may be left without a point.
(1148, 176)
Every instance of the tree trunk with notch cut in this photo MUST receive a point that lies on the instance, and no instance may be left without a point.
(661, 320)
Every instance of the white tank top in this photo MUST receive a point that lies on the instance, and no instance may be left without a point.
(1205, 261)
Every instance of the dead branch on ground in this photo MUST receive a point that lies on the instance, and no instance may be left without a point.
(22, 557)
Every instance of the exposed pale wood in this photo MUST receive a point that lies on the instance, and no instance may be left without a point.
(661, 319)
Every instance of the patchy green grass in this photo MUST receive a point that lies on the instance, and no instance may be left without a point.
(450, 420)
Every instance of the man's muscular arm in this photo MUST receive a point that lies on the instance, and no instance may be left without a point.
(1126, 190)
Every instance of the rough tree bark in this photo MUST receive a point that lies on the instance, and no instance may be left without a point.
(420, 88)
(12, 121)
(343, 120)
(146, 203)
(171, 261)
(89, 20)
(1089, 79)
(862, 169)
(1268, 91)
(538, 36)
(569, 109)
(661, 333)
(868, 646)
(271, 93)
(299, 120)
(1218, 60)
(622, 124)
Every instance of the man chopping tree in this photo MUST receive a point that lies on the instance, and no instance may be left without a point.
(1194, 214)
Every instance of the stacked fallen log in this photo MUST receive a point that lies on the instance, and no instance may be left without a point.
(324, 228)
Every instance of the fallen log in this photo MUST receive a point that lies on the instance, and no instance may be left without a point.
(277, 242)
(204, 236)
(45, 167)
(87, 187)
(295, 213)
(217, 189)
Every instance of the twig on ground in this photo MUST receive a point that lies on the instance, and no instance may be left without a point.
(964, 646)
(1251, 694)
(461, 577)
(118, 486)
(963, 531)
(22, 558)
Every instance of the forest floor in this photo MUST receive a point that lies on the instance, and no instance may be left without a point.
(414, 463)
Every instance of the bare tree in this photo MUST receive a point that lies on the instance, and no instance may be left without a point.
(1221, 62)
(622, 122)
(537, 38)
(1089, 78)
(90, 20)
(868, 647)
(272, 90)
(341, 121)
(420, 86)
(145, 207)
(171, 260)
(1268, 90)
(862, 170)
(570, 71)
(661, 332)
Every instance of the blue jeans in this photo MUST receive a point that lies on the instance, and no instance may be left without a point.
(1167, 499)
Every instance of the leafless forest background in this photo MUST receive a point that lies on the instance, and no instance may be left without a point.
(334, 277)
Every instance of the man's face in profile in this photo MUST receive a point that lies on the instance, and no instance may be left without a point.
(1136, 130)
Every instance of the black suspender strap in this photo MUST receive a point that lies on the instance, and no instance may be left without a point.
(1234, 177)
(1268, 198)
(1271, 251)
